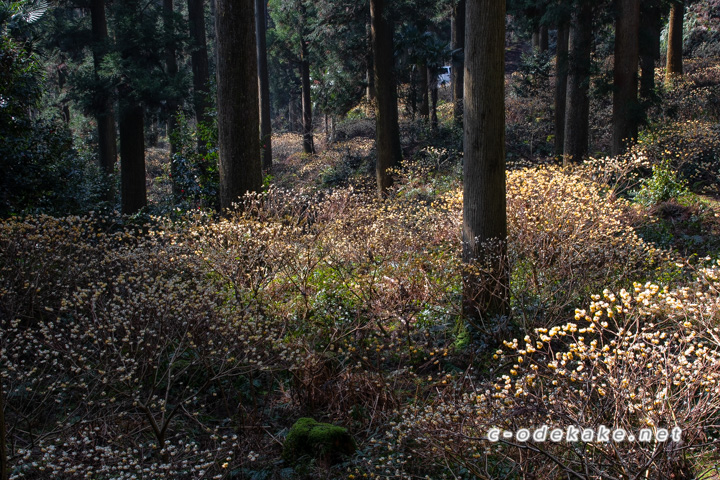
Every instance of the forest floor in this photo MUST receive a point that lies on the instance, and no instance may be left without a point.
(187, 345)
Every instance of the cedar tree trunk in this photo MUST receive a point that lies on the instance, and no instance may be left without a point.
(456, 72)
(675, 40)
(132, 154)
(307, 118)
(263, 83)
(650, 27)
(104, 111)
(577, 109)
(486, 282)
(387, 135)
(543, 41)
(171, 68)
(199, 61)
(238, 110)
(561, 77)
(625, 77)
(424, 99)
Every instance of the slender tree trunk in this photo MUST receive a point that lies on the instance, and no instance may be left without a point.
(199, 61)
(104, 111)
(456, 72)
(577, 110)
(424, 98)
(413, 93)
(486, 283)
(171, 65)
(434, 102)
(307, 117)
(626, 108)
(132, 155)
(171, 68)
(561, 77)
(675, 40)
(291, 114)
(536, 39)
(263, 83)
(238, 104)
(387, 138)
(543, 40)
(370, 93)
(650, 27)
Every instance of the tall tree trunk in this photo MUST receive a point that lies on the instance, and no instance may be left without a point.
(171, 68)
(650, 27)
(486, 282)
(543, 40)
(132, 154)
(458, 48)
(424, 98)
(675, 40)
(104, 111)
(536, 39)
(199, 60)
(291, 114)
(434, 101)
(238, 104)
(387, 135)
(577, 109)
(370, 75)
(561, 77)
(263, 83)
(625, 77)
(307, 117)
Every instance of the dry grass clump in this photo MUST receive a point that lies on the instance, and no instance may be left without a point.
(648, 359)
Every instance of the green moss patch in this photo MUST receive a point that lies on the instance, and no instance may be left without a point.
(324, 441)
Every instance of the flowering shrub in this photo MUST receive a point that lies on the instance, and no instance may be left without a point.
(146, 347)
(648, 358)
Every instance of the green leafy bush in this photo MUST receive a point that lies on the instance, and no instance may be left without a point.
(661, 187)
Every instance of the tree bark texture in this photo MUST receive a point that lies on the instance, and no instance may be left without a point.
(561, 76)
(458, 48)
(577, 109)
(424, 98)
(626, 110)
(387, 136)
(307, 117)
(133, 190)
(263, 83)
(199, 61)
(486, 285)
(543, 38)
(434, 101)
(675, 40)
(650, 27)
(104, 111)
(238, 105)
(171, 69)
(370, 92)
